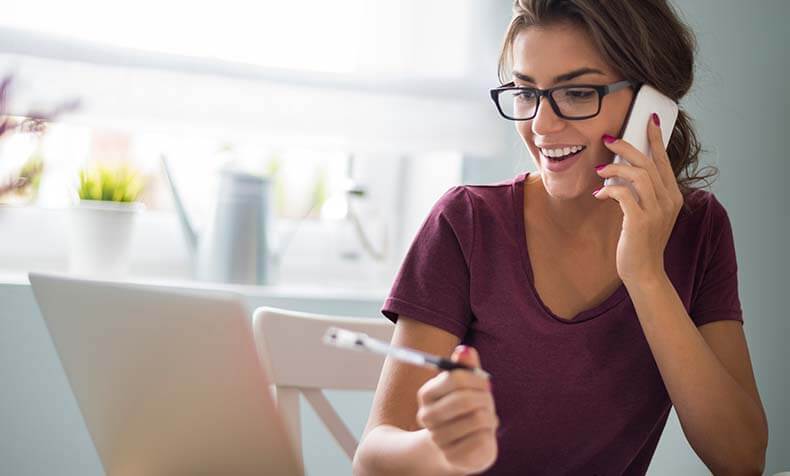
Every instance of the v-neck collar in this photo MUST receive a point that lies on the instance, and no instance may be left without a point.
(518, 208)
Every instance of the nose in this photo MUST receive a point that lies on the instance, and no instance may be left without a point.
(546, 121)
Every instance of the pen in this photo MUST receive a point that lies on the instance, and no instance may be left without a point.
(346, 339)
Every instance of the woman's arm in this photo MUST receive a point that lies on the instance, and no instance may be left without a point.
(455, 422)
(393, 442)
(389, 450)
(708, 375)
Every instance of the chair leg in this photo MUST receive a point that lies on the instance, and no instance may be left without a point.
(288, 405)
(331, 419)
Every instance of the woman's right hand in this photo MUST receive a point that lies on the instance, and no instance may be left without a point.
(457, 409)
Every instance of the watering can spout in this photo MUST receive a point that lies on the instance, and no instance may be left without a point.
(190, 234)
(234, 247)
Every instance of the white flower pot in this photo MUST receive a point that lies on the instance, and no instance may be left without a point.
(101, 237)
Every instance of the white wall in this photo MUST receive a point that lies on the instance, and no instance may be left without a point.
(741, 107)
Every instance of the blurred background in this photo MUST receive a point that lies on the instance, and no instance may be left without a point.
(351, 117)
(312, 95)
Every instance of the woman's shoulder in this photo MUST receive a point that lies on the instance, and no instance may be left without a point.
(468, 196)
(703, 218)
(492, 194)
(700, 204)
(496, 186)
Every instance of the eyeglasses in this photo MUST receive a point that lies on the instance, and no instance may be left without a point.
(575, 102)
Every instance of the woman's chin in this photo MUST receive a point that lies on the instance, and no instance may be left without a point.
(562, 190)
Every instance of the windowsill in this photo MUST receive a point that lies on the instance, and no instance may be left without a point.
(37, 239)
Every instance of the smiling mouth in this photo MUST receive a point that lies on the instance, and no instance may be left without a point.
(563, 157)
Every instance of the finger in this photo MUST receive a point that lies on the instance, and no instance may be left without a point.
(635, 158)
(453, 406)
(469, 444)
(460, 427)
(640, 179)
(469, 356)
(659, 151)
(447, 382)
(623, 196)
(464, 354)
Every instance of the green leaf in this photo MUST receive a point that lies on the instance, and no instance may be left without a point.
(113, 184)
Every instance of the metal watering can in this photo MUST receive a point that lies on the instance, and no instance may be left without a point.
(234, 248)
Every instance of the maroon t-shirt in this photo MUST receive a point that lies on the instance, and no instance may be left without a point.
(578, 396)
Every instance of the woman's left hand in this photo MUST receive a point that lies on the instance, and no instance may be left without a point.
(648, 224)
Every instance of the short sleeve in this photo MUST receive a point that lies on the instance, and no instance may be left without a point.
(716, 298)
(432, 285)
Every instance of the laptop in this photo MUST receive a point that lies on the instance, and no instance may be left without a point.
(169, 381)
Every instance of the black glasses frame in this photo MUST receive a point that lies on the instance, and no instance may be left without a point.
(602, 90)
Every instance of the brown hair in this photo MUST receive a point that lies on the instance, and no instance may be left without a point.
(644, 41)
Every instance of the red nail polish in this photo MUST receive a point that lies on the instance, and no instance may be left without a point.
(656, 120)
(600, 166)
(608, 139)
(597, 190)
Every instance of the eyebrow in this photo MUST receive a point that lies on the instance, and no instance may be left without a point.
(563, 77)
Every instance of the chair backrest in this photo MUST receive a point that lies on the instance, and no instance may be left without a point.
(300, 363)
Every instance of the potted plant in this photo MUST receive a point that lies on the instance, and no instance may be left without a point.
(102, 222)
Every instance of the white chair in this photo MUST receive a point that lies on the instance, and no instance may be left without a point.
(299, 362)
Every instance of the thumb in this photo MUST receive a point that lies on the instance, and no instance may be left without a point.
(466, 355)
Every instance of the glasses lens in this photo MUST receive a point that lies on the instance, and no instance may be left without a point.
(576, 101)
(518, 104)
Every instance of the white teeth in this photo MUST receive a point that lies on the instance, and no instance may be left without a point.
(561, 152)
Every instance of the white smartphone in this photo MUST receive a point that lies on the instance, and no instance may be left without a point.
(648, 100)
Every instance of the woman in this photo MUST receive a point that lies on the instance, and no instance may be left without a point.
(594, 312)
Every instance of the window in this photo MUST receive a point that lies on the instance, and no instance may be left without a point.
(358, 37)
(303, 84)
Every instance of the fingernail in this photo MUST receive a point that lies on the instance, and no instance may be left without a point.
(600, 166)
(656, 120)
(608, 139)
(464, 351)
(597, 190)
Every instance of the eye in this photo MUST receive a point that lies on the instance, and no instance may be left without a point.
(579, 94)
(526, 94)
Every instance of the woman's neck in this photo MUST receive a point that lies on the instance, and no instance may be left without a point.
(583, 220)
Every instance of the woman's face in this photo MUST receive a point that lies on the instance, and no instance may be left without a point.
(542, 54)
